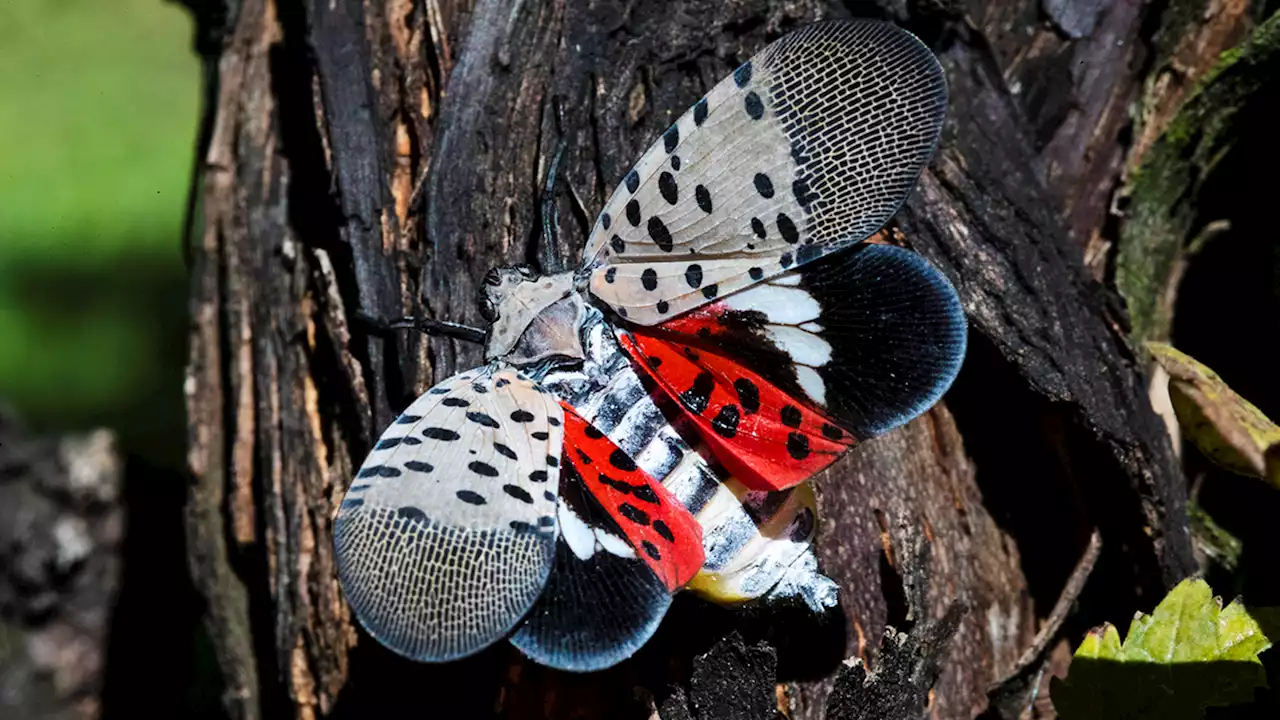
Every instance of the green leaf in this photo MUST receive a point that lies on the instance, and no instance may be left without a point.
(1187, 655)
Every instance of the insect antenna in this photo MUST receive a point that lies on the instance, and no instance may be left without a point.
(550, 259)
(426, 326)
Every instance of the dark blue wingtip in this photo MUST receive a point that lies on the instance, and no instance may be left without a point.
(949, 333)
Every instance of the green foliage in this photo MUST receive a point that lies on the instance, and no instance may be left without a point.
(99, 107)
(1187, 655)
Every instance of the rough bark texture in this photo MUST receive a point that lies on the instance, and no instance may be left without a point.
(340, 178)
(61, 528)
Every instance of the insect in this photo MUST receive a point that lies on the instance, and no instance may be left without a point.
(646, 421)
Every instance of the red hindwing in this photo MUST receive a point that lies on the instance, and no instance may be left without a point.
(762, 435)
(663, 533)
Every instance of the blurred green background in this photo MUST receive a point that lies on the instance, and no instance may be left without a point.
(99, 103)
(99, 111)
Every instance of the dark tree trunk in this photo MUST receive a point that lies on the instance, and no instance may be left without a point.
(376, 157)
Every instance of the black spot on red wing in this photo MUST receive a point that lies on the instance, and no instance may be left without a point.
(668, 188)
(622, 461)
(742, 75)
(632, 181)
(659, 234)
(757, 227)
(709, 292)
(693, 275)
(791, 416)
(700, 112)
(704, 333)
(408, 419)
(798, 445)
(786, 260)
(645, 493)
(471, 498)
(538, 476)
(633, 513)
(831, 432)
(764, 185)
(610, 275)
(584, 458)
(787, 229)
(651, 550)
(662, 529)
(703, 196)
(725, 423)
(654, 361)
(605, 220)
(649, 279)
(482, 419)
(691, 354)
(618, 246)
(484, 469)
(753, 105)
(671, 138)
(592, 432)
(518, 493)
(540, 435)
(435, 433)
(755, 273)
(663, 306)
(620, 486)
(505, 451)
(522, 416)
(633, 212)
(699, 394)
(748, 394)
(419, 466)
(455, 402)
(675, 162)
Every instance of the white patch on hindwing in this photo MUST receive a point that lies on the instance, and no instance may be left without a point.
(583, 539)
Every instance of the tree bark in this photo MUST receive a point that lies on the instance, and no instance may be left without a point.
(376, 157)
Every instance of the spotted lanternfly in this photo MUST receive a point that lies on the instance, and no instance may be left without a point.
(646, 422)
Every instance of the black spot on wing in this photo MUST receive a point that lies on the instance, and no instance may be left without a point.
(748, 394)
(662, 529)
(788, 229)
(693, 275)
(483, 419)
(382, 471)
(675, 162)
(518, 493)
(786, 261)
(703, 196)
(662, 307)
(753, 105)
(700, 112)
(755, 273)
(618, 246)
(538, 476)
(388, 443)
(831, 432)
(668, 188)
(659, 234)
(633, 513)
(742, 75)
(632, 181)
(471, 498)
(757, 227)
(699, 394)
(633, 212)
(621, 460)
(798, 445)
(610, 275)
(605, 220)
(671, 138)
(455, 402)
(592, 432)
(505, 451)
(481, 468)
(408, 419)
(419, 466)
(709, 292)
(649, 279)
(651, 550)
(725, 423)
(412, 514)
(764, 185)
(540, 435)
(522, 416)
